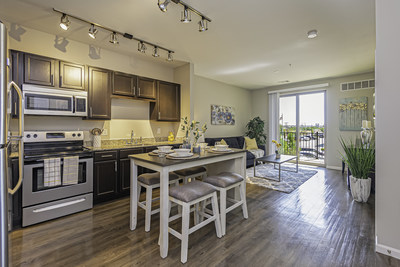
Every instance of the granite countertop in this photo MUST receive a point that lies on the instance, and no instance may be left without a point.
(127, 146)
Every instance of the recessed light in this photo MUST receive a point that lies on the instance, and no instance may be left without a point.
(312, 34)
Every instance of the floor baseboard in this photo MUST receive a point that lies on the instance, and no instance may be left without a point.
(392, 252)
(334, 168)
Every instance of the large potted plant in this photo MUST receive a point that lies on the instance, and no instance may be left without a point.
(255, 129)
(361, 161)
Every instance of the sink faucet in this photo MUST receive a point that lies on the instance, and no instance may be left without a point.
(132, 135)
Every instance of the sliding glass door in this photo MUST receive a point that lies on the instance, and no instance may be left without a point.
(302, 126)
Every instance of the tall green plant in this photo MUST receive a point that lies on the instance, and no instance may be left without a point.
(255, 129)
(361, 160)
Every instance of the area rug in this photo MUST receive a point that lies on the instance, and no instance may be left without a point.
(289, 180)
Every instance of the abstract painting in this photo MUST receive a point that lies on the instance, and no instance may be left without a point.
(222, 115)
(352, 111)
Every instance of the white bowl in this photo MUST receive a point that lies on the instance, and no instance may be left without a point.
(164, 149)
(182, 151)
(221, 147)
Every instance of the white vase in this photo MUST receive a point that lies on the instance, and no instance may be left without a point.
(360, 188)
(96, 141)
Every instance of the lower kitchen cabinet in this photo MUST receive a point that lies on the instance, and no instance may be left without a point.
(105, 176)
(125, 170)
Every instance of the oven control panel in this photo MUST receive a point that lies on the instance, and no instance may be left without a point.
(52, 136)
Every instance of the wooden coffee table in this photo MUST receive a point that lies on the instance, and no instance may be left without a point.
(272, 159)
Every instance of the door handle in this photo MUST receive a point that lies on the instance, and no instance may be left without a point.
(115, 166)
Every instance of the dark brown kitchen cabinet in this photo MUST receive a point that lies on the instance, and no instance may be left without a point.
(40, 70)
(146, 88)
(125, 169)
(168, 105)
(105, 176)
(124, 84)
(99, 94)
(72, 75)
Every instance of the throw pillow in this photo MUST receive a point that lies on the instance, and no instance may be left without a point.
(250, 143)
(223, 142)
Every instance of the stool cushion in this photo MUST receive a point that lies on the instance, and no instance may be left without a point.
(190, 171)
(191, 191)
(154, 178)
(224, 179)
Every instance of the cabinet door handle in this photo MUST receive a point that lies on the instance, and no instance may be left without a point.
(61, 80)
(138, 91)
(51, 79)
(90, 112)
(15, 108)
(115, 166)
(106, 156)
(159, 115)
(134, 90)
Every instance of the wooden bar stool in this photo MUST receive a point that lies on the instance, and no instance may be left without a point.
(192, 173)
(151, 181)
(186, 196)
(224, 182)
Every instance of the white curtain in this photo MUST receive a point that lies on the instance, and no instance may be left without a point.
(273, 122)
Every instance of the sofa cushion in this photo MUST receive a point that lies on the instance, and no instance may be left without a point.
(249, 155)
(240, 140)
(232, 142)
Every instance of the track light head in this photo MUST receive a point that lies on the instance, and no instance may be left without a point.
(113, 38)
(170, 58)
(155, 52)
(186, 16)
(163, 6)
(203, 25)
(92, 32)
(312, 34)
(142, 47)
(64, 23)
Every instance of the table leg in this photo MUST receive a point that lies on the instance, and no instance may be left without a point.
(134, 199)
(279, 172)
(164, 181)
(297, 164)
(255, 161)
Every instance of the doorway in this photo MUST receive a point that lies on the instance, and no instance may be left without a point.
(302, 128)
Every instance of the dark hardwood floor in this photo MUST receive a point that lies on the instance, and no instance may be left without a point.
(316, 225)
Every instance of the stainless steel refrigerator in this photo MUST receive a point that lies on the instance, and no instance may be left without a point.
(6, 87)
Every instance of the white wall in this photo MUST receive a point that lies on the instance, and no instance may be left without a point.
(208, 92)
(41, 43)
(387, 197)
(333, 94)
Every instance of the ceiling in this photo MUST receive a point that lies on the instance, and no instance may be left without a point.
(251, 44)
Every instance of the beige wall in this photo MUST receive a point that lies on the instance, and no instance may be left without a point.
(387, 197)
(207, 92)
(127, 115)
(333, 95)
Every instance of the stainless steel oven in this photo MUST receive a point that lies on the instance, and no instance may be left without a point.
(41, 202)
(49, 101)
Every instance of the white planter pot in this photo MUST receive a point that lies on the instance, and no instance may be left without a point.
(360, 188)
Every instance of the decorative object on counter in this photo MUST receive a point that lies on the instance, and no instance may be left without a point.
(192, 128)
(171, 137)
(366, 133)
(222, 115)
(361, 162)
(277, 150)
(352, 111)
(255, 129)
(65, 24)
(197, 133)
(96, 132)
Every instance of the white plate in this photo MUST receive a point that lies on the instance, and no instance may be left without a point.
(221, 150)
(156, 151)
(175, 155)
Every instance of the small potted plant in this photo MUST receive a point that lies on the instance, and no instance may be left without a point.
(197, 133)
(278, 149)
(361, 162)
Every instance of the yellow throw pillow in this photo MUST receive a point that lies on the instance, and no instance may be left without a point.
(223, 142)
(250, 143)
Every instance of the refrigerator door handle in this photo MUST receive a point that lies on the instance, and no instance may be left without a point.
(20, 135)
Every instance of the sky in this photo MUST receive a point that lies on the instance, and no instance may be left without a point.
(311, 108)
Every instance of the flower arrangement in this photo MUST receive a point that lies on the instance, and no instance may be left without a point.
(197, 132)
(278, 146)
(193, 127)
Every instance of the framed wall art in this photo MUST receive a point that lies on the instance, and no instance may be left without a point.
(222, 115)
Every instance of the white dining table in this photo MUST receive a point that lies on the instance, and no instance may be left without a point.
(234, 161)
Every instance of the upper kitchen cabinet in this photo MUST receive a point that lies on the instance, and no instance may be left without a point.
(124, 84)
(99, 94)
(72, 75)
(168, 105)
(146, 88)
(39, 70)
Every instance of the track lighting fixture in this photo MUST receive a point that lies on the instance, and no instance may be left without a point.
(312, 34)
(92, 32)
(64, 23)
(94, 28)
(203, 25)
(155, 52)
(113, 38)
(163, 6)
(142, 47)
(170, 58)
(186, 16)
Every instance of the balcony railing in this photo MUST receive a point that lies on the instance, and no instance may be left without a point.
(311, 144)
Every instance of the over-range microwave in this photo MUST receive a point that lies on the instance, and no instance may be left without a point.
(50, 101)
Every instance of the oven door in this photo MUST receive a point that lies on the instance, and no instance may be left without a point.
(48, 104)
(33, 189)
